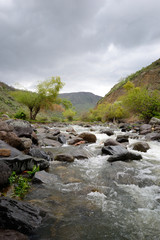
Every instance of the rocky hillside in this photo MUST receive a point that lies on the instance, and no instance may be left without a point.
(82, 101)
(148, 76)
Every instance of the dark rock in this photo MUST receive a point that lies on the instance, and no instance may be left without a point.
(21, 128)
(61, 139)
(34, 138)
(39, 153)
(140, 146)
(111, 142)
(7, 234)
(54, 132)
(128, 156)
(145, 128)
(74, 140)
(5, 173)
(64, 157)
(19, 215)
(109, 132)
(88, 137)
(112, 150)
(70, 129)
(24, 162)
(122, 138)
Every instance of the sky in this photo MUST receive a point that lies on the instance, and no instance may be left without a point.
(90, 44)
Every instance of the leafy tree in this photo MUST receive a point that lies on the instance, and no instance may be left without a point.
(45, 97)
(69, 114)
(143, 102)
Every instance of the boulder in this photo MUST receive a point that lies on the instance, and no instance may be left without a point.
(8, 234)
(88, 137)
(39, 153)
(13, 151)
(64, 157)
(21, 128)
(44, 177)
(12, 139)
(71, 130)
(140, 146)
(53, 132)
(112, 150)
(122, 138)
(23, 162)
(145, 128)
(128, 156)
(109, 132)
(50, 142)
(61, 139)
(27, 142)
(111, 142)
(19, 215)
(154, 121)
(74, 140)
(34, 138)
(5, 127)
(152, 136)
(5, 173)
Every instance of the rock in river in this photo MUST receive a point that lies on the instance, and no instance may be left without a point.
(19, 215)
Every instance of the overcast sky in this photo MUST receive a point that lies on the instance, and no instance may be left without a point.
(90, 44)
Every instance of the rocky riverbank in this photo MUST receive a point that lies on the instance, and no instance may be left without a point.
(22, 146)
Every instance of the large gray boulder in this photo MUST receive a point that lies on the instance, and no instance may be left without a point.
(64, 158)
(19, 215)
(145, 128)
(154, 121)
(112, 150)
(111, 142)
(21, 128)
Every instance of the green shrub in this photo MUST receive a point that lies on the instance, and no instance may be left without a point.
(20, 114)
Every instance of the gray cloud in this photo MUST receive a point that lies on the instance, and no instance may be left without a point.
(91, 44)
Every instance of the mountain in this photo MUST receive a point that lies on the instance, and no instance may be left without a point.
(148, 76)
(82, 101)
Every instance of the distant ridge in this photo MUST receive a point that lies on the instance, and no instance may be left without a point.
(82, 101)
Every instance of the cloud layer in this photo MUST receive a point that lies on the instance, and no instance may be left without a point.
(90, 44)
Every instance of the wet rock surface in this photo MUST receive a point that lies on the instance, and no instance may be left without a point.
(5, 173)
(7, 234)
(19, 215)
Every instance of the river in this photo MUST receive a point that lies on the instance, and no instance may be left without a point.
(93, 199)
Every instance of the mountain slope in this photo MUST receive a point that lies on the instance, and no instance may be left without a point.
(148, 76)
(82, 101)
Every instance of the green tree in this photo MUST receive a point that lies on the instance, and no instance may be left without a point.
(69, 114)
(45, 97)
(143, 102)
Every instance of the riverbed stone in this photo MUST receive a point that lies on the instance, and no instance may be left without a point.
(145, 128)
(44, 177)
(108, 132)
(127, 156)
(4, 152)
(5, 127)
(140, 146)
(22, 128)
(39, 153)
(154, 121)
(50, 142)
(122, 138)
(8, 234)
(112, 150)
(23, 162)
(19, 215)
(88, 137)
(152, 136)
(5, 173)
(13, 151)
(64, 157)
(111, 142)
(12, 139)
(74, 140)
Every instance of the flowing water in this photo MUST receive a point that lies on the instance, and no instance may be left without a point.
(94, 199)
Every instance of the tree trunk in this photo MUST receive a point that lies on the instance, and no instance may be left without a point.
(35, 113)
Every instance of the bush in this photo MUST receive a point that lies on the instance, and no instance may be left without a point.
(69, 114)
(20, 114)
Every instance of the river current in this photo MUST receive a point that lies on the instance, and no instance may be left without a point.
(93, 199)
